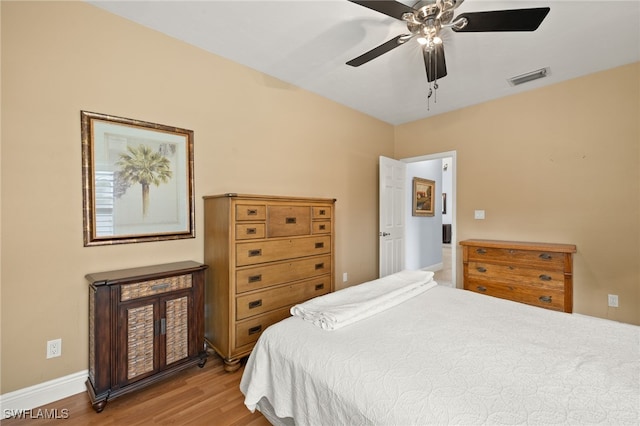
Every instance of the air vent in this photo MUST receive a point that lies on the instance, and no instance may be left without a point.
(530, 76)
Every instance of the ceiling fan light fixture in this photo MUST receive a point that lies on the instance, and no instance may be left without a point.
(530, 76)
(422, 40)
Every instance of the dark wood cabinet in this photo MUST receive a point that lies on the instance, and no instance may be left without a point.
(144, 324)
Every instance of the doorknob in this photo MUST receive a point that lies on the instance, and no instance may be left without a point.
(384, 234)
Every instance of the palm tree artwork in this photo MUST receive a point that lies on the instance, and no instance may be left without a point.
(142, 165)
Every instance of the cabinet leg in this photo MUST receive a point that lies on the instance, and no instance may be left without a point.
(231, 365)
(99, 405)
(203, 360)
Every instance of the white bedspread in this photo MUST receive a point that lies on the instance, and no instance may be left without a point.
(341, 308)
(450, 356)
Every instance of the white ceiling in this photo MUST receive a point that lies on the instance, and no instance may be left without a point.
(307, 42)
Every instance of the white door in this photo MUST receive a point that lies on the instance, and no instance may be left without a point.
(392, 215)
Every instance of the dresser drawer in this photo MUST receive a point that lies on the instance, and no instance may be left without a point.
(533, 258)
(516, 274)
(258, 277)
(248, 331)
(251, 212)
(321, 212)
(267, 300)
(256, 252)
(248, 231)
(288, 221)
(154, 287)
(321, 227)
(531, 295)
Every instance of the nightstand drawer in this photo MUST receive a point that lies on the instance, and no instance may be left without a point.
(260, 302)
(258, 277)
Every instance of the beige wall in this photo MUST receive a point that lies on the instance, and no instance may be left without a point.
(558, 164)
(563, 168)
(253, 134)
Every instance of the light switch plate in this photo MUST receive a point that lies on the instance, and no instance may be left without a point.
(478, 214)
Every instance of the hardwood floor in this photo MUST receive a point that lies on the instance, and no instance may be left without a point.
(196, 396)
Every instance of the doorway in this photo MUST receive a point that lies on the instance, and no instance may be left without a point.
(445, 273)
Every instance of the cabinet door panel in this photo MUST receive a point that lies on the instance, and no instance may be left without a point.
(177, 329)
(137, 345)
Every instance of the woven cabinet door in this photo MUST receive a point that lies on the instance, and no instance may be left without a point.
(137, 343)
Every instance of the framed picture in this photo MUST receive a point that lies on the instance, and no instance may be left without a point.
(137, 181)
(423, 197)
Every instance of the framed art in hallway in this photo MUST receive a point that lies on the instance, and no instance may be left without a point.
(137, 181)
(423, 197)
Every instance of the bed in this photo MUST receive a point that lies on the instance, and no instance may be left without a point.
(446, 356)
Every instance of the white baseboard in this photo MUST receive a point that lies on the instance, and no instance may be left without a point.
(43, 394)
(434, 267)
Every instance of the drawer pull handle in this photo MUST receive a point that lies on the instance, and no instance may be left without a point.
(290, 220)
(481, 288)
(255, 304)
(322, 227)
(319, 266)
(545, 299)
(319, 245)
(545, 256)
(157, 287)
(160, 326)
(254, 330)
(481, 269)
(255, 278)
(254, 253)
(251, 231)
(544, 277)
(322, 212)
(481, 251)
(252, 212)
(319, 286)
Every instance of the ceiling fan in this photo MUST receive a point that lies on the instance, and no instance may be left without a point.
(428, 17)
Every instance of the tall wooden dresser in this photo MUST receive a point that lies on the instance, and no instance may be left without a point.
(539, 274)
(265, 253)
(144, 324)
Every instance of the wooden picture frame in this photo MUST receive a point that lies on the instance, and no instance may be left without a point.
(137, 181)
(423, 197)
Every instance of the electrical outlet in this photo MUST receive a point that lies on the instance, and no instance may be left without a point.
(613, 300)
(345, 277)
(54, 348)
(478, 214)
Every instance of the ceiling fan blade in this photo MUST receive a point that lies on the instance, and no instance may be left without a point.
(434, 63)
(376, 51)
(389, 8)
(503, 20)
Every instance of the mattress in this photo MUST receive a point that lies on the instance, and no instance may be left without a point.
(449, 356)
